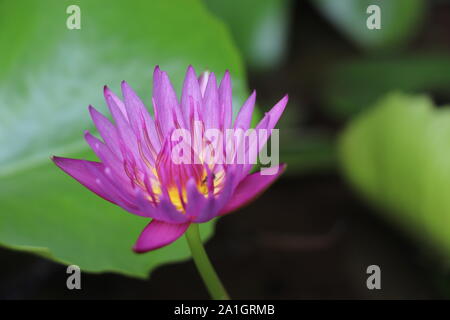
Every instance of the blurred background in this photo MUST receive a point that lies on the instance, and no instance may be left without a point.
(366, 136)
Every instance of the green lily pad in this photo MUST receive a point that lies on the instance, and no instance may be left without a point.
(397, 156)
(48, 76)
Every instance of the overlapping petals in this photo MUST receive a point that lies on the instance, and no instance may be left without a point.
(136, 170)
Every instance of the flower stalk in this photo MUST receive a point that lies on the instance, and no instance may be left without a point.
(203, 264)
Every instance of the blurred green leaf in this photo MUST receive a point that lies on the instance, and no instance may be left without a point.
(397, 156)
(399, 20)
(48, 76)
(259, 28)
(355, 85)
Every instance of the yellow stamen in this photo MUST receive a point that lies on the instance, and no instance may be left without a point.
(174, 193)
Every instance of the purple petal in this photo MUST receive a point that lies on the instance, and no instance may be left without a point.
(226, 100)
(203, 82)
(141, 122)
(99, 179)
(82, 171)
(249, 188)
(250, 148)
(214, 204)
(211, 108)
(135, 109)
(158, 234)
(276, 112)
(195, 200)
(106, 156)
(107, 131)
(191, 97)
(123, 126)
(244, 117)
(165, 102)
(120, 105)
(163, 211)
(267, 123)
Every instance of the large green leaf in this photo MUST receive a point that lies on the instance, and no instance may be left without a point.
(398, 156)
(399, 20)
(48, 76)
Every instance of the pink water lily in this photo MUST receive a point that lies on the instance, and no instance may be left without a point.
(136, 171)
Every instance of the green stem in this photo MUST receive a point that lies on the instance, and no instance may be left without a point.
(204, 266)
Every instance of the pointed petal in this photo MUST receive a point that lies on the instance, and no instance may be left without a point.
(141, 123)
(226, 100)
(119, 103)
(276, 112)
(107, 131)
(211, 108)
(106, 156)
(251, 148)
(135, 109)
(83, 172)
(267, 123)
(166, 103)
(123, 126)
(203, 81)
(158, 234)
(244, 117)
(191, 97)
(249, 188)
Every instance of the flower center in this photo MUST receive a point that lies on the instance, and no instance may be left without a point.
(178, 196)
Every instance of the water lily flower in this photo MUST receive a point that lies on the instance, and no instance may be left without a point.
(136, 171)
